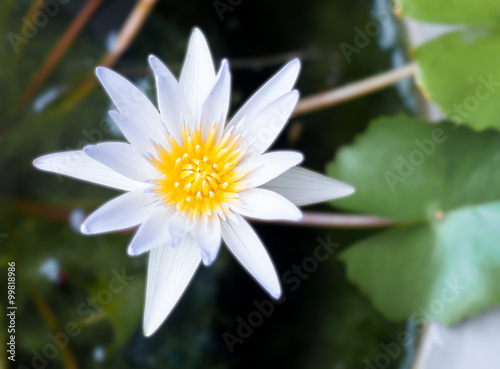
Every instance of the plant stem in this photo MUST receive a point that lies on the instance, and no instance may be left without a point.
(61, 214)
(132, 26)
(129, 30)
(58, 51)
(39, 209)
(354, 90)
(336, 221)
(50, 321)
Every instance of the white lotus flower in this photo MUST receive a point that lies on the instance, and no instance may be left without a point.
(189, 177)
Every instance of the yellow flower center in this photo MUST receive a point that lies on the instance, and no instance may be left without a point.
(199, 176)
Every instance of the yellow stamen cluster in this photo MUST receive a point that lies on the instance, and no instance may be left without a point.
(199, 175)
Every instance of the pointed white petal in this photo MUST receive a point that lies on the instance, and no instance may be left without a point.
(132, 104)
(172, 101)
(207, 234)
(124, 159)
(264, 204)
(139, 137)
(245, 245)
(122, 212)
(250, 162)
(272, 164)
(79, 165)
(178, 228)
(262, 131)
(303, 187)
(198, 73)
(152, 233)
(170, 270)
(281, 83)
(216, 104)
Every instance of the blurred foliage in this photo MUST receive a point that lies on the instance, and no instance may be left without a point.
(442, 265)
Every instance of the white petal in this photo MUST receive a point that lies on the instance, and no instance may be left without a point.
(198, 73)
(245, 245)
(208, 236)
(139, 137)
(122, 212)
(263, 129)
(133, 104)
(264, 204)
(303, 187)
(152, 233)
(124, 159)
(178, 228)
(272, 165)
(216, 104)
(170, 270)
(172, 101)
(79, 165)
(281, 83)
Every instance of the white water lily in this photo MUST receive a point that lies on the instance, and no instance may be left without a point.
(190, 176)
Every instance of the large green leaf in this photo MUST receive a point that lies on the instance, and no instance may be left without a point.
(444, 183)
(461, 73)
(479, 13)
(460, 70)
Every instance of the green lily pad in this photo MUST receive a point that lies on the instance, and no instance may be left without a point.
(459, 70)
(443, 182)
(461, 73)
(478, 13)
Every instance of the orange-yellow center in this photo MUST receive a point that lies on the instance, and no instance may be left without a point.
(199, 176)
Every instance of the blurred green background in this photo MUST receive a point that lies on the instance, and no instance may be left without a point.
(323, 323)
